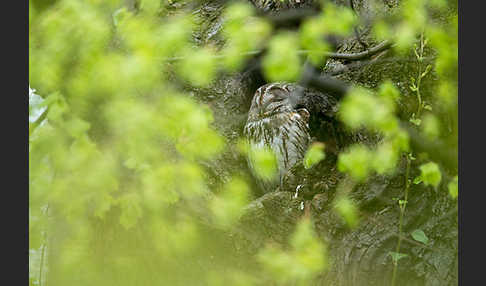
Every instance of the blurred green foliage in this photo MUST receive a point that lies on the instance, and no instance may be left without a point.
(333, 20)
(430, 174)
(356, 160)
(278, 67)
(347, 209)
(299, 264)
(244, 33)
(228, 207)
(453, 187)
(264, 162)
(115, 174)
(314, 154)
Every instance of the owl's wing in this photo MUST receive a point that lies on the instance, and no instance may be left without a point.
(316, 102)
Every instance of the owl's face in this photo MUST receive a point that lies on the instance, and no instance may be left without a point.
(272, 99)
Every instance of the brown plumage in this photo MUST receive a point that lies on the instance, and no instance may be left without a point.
(276, 121)
(278, 5)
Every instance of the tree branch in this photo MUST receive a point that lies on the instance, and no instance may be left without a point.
(324, 83)
(360, 64)
(361, 55)
(437, 150)
(351, 56)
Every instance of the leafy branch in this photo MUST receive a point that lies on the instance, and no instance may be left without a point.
(416, 82)
(403, 205)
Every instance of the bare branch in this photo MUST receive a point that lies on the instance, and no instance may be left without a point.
(437, 150)
(361, 55)
(360, 64)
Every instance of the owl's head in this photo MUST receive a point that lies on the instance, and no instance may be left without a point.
(276, 98)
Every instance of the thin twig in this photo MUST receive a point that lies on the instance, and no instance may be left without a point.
(404, 238)
(361, 55)
(44, 245)
(360, 64)
(345, 56)
(400, 223)
(249, 53)
(311, 78)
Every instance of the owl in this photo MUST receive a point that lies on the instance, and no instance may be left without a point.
(277, 5)
(277, 121)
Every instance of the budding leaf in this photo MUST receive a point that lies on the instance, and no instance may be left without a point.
(415, 121)
(397, 256)
(419, 235)
(348, 211)
(453, 187)
(314, 155)
(430, 174)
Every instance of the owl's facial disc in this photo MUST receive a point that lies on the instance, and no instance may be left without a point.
(274, 101)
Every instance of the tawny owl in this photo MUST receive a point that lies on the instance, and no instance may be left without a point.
(276, 5)
(276, 121)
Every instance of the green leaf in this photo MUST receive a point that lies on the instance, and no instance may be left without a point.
(447, 93)
(119, 15)
(417, 180)
(416, 121)
(389, 93)
(419, 235)
(453, 187)
(431, 126)
(243, 33)
(385, 158)
(149, 6)
(355, 161)
(406, 37)
(312, 39)
(264, 162)
(228, 206)
(338, 20)
(356, 107)
(302, 262)
(348, 210)
(430, 174)
(361, 108)
(314, 155)
(440, 4)
(397, 256)
(237, 12)
(198, 67)
(282, 68)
